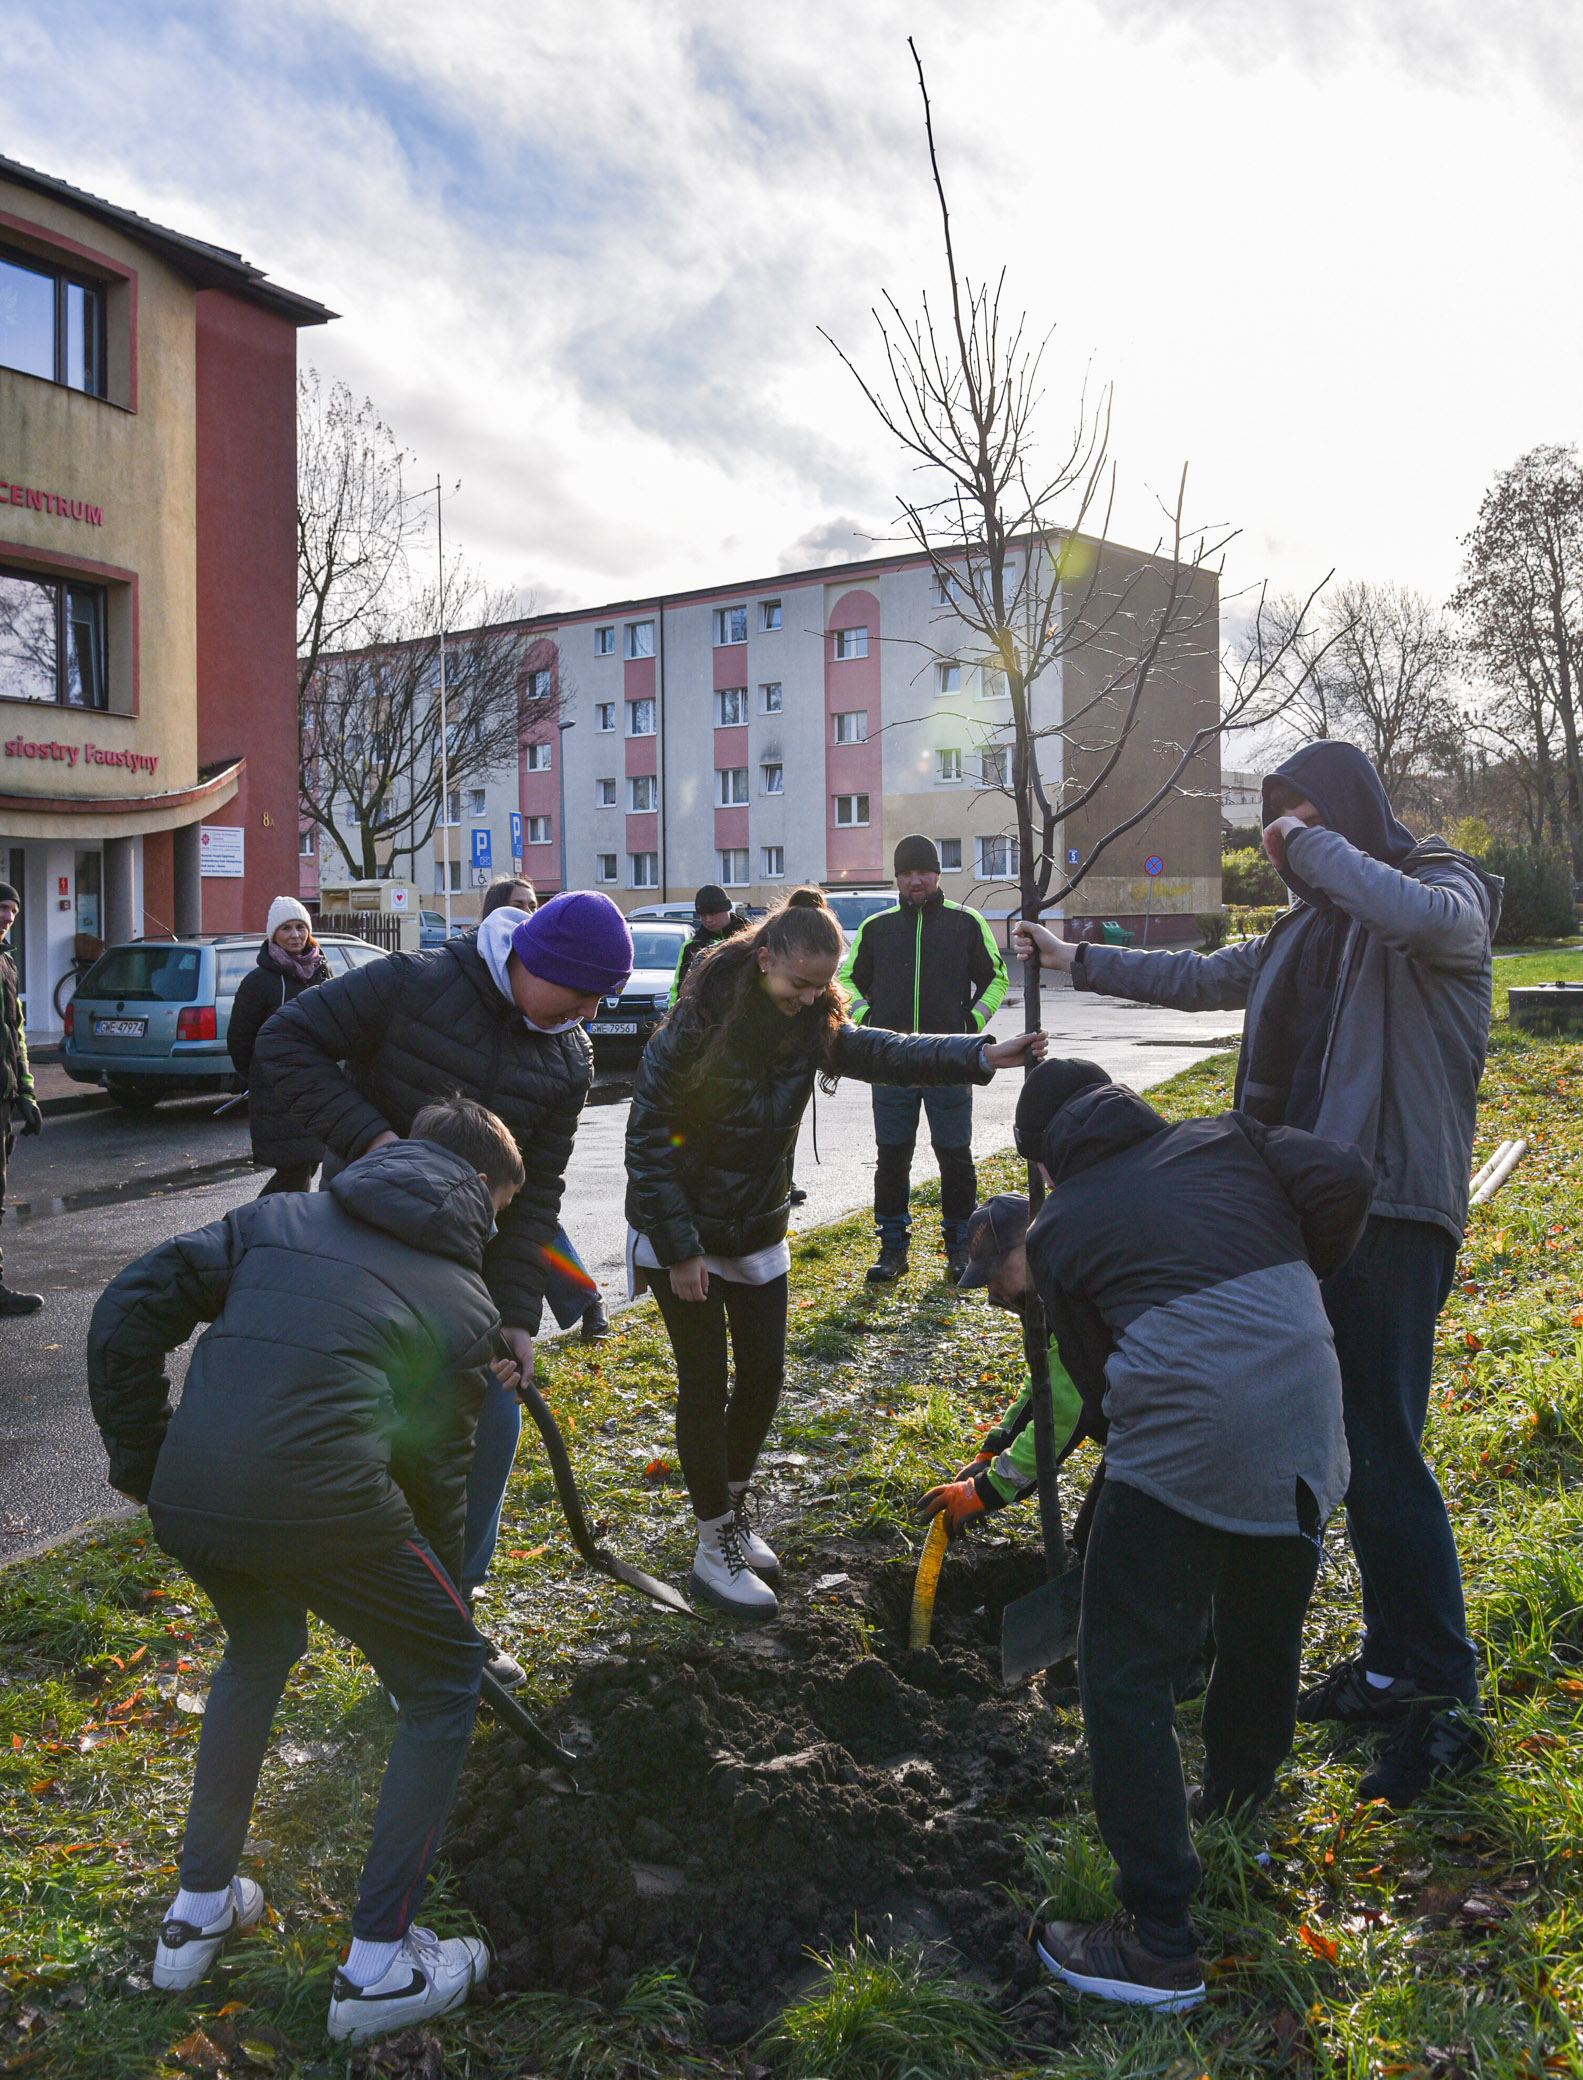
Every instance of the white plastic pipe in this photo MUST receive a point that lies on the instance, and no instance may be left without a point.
(1503, 1169)
(1482, 1173)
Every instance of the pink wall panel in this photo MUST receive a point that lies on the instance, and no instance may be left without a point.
(643, 833)
(731, 826)
(643, 755)
(854, 854)
(731, 665)
(731, 747)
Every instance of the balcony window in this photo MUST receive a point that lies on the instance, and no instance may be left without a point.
(604, 794)
(640, 718)
(774, 857)
(852, 727)
(51, 324)
(851, 642)
(769, 613)
(773, 777)
(645, 868)
(851, 810)
(52, 641)
(640, 639)
(538, 758)
(770, 697)
(604, 715)
(643, 793)
(605, 646)
(950, 851)
(948, 767)
(999, 859)
(731, 786)
(731, 707)
(733, 867)
(731, 625)
(538, 828)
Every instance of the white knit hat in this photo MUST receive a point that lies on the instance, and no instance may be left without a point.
(286, 910)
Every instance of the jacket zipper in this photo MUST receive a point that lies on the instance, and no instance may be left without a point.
(917, 971)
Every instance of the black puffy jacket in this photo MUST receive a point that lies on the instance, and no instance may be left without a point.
(709, 1152)
(262, 991)
(422, 1026)
(330, 1406)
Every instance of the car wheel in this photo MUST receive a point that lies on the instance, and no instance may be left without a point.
(135, 1097)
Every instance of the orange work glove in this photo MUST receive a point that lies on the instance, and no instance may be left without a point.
(959, 1500)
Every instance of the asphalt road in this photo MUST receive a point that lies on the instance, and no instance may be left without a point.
(95, 1190)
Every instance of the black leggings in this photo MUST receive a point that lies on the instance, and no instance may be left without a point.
(719, 1432)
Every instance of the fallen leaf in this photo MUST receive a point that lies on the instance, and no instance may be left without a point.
(1322, 1946)
(201, 2051)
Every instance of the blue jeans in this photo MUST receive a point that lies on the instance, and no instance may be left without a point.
(401, 1609)
(1382, 1305)
(949, 1108)
(500, 1427)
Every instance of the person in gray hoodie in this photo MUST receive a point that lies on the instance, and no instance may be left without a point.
(1368, 1011)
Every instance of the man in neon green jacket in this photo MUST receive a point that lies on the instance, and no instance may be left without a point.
(923, 966)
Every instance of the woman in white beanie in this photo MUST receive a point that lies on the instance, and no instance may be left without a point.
(289, 961)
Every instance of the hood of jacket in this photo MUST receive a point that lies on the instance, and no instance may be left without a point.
(1350, 798)
(1100, 1122)
(423, 1195)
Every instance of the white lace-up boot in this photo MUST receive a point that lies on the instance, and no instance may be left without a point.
(722, 1574)
(760, 1557)
(427, 1977)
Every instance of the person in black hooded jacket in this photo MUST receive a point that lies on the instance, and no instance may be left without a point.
(1368, 1013)
(716, 1105)
(1179, 1270)
(318, 1461)
(289, 961)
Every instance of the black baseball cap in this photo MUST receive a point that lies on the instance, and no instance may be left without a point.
(993, 1232)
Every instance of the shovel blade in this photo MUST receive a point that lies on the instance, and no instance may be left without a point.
(1040, 1628)
(648, 1585)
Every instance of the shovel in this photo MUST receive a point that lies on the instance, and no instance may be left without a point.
(622, 1571)
(1040, 1628)
(504, 1709)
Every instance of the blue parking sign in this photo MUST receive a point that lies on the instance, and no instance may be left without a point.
(516, 835)
(482, 850)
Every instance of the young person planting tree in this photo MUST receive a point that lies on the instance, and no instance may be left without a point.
(1179, 1269)
(1368, 1014)
(716, 1106)
(318, 1462)
(497, 1018)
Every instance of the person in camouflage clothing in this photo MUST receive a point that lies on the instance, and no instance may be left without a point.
(19, 1111)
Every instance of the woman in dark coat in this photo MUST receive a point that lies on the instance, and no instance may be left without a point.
(716, 1106)
(289, 961)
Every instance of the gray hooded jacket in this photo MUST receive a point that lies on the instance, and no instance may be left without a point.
(1409, 1019)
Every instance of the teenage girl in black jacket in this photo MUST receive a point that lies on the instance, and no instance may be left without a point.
(289, 961)
(716, 1107)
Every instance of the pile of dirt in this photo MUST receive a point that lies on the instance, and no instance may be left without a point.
(751, 1796)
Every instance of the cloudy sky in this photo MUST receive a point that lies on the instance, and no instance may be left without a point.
(1325, 250)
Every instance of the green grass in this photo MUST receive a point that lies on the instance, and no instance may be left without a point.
(1524, 970)
(1352, 1952)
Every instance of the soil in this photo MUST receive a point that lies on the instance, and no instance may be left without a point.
(752, 1795)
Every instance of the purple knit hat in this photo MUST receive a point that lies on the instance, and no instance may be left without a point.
(578, 941)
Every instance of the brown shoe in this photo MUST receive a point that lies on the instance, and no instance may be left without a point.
(1108, 1958)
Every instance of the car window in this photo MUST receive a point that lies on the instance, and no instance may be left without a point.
(360, 956)
(656, 948)
(335, 958)
(150, 974)
(232, 963)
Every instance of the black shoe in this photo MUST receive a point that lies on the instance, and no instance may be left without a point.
(596, 1323)
(19, 1303)
(955, 1267)
(507, 1672)
(1206, 1802)
(1345, 1693)
(890, 1265)
(1439, 1743)
(797, 1196)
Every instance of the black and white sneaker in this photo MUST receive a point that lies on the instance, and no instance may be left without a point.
(185, 1953)
(1345, 1694)
(1109, 1958)
(1438, 1743)
(429, 1977)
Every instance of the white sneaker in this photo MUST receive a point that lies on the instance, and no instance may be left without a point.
(760, 1557)
(722, 1574)
(428, 1978)
(185, 1953)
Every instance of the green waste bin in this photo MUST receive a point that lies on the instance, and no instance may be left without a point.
(1113, 934)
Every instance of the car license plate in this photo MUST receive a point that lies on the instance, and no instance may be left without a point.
(119, 1028)
(617, 1029)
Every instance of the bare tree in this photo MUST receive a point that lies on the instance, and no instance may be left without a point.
(1521, 602)
(1020, 553)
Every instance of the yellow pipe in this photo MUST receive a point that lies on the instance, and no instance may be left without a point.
(928, 1580)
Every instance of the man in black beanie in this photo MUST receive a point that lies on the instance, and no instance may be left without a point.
(925, 966)
(17, 1101)
(713, 920)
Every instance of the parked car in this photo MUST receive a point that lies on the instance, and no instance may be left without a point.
(853, 905)
(623, 1023)
(661, 913)
(148, 1020)
(432, 932)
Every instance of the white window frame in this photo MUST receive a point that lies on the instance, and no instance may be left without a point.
(476, 799)
(994, 764)
(777, 785)
(948, 865)
(607, 866)
(728, 779)
(948, 766)
(540, 758)
(850, 643)
(738, 696)
(985, 859)
(605, 716)
(992, 683)
(639, 639)
(307, 845)
(728, 858)
(725, 622)
(855, 821)
(772, 697)
(643, 869)
(633, 708)
(538, 830)
(773, 861)
(850, 726)
(605, 794)
(770, 615)
(605, 646)
(642, 784)
(944, 592)
(540, 684)
(948, 678)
